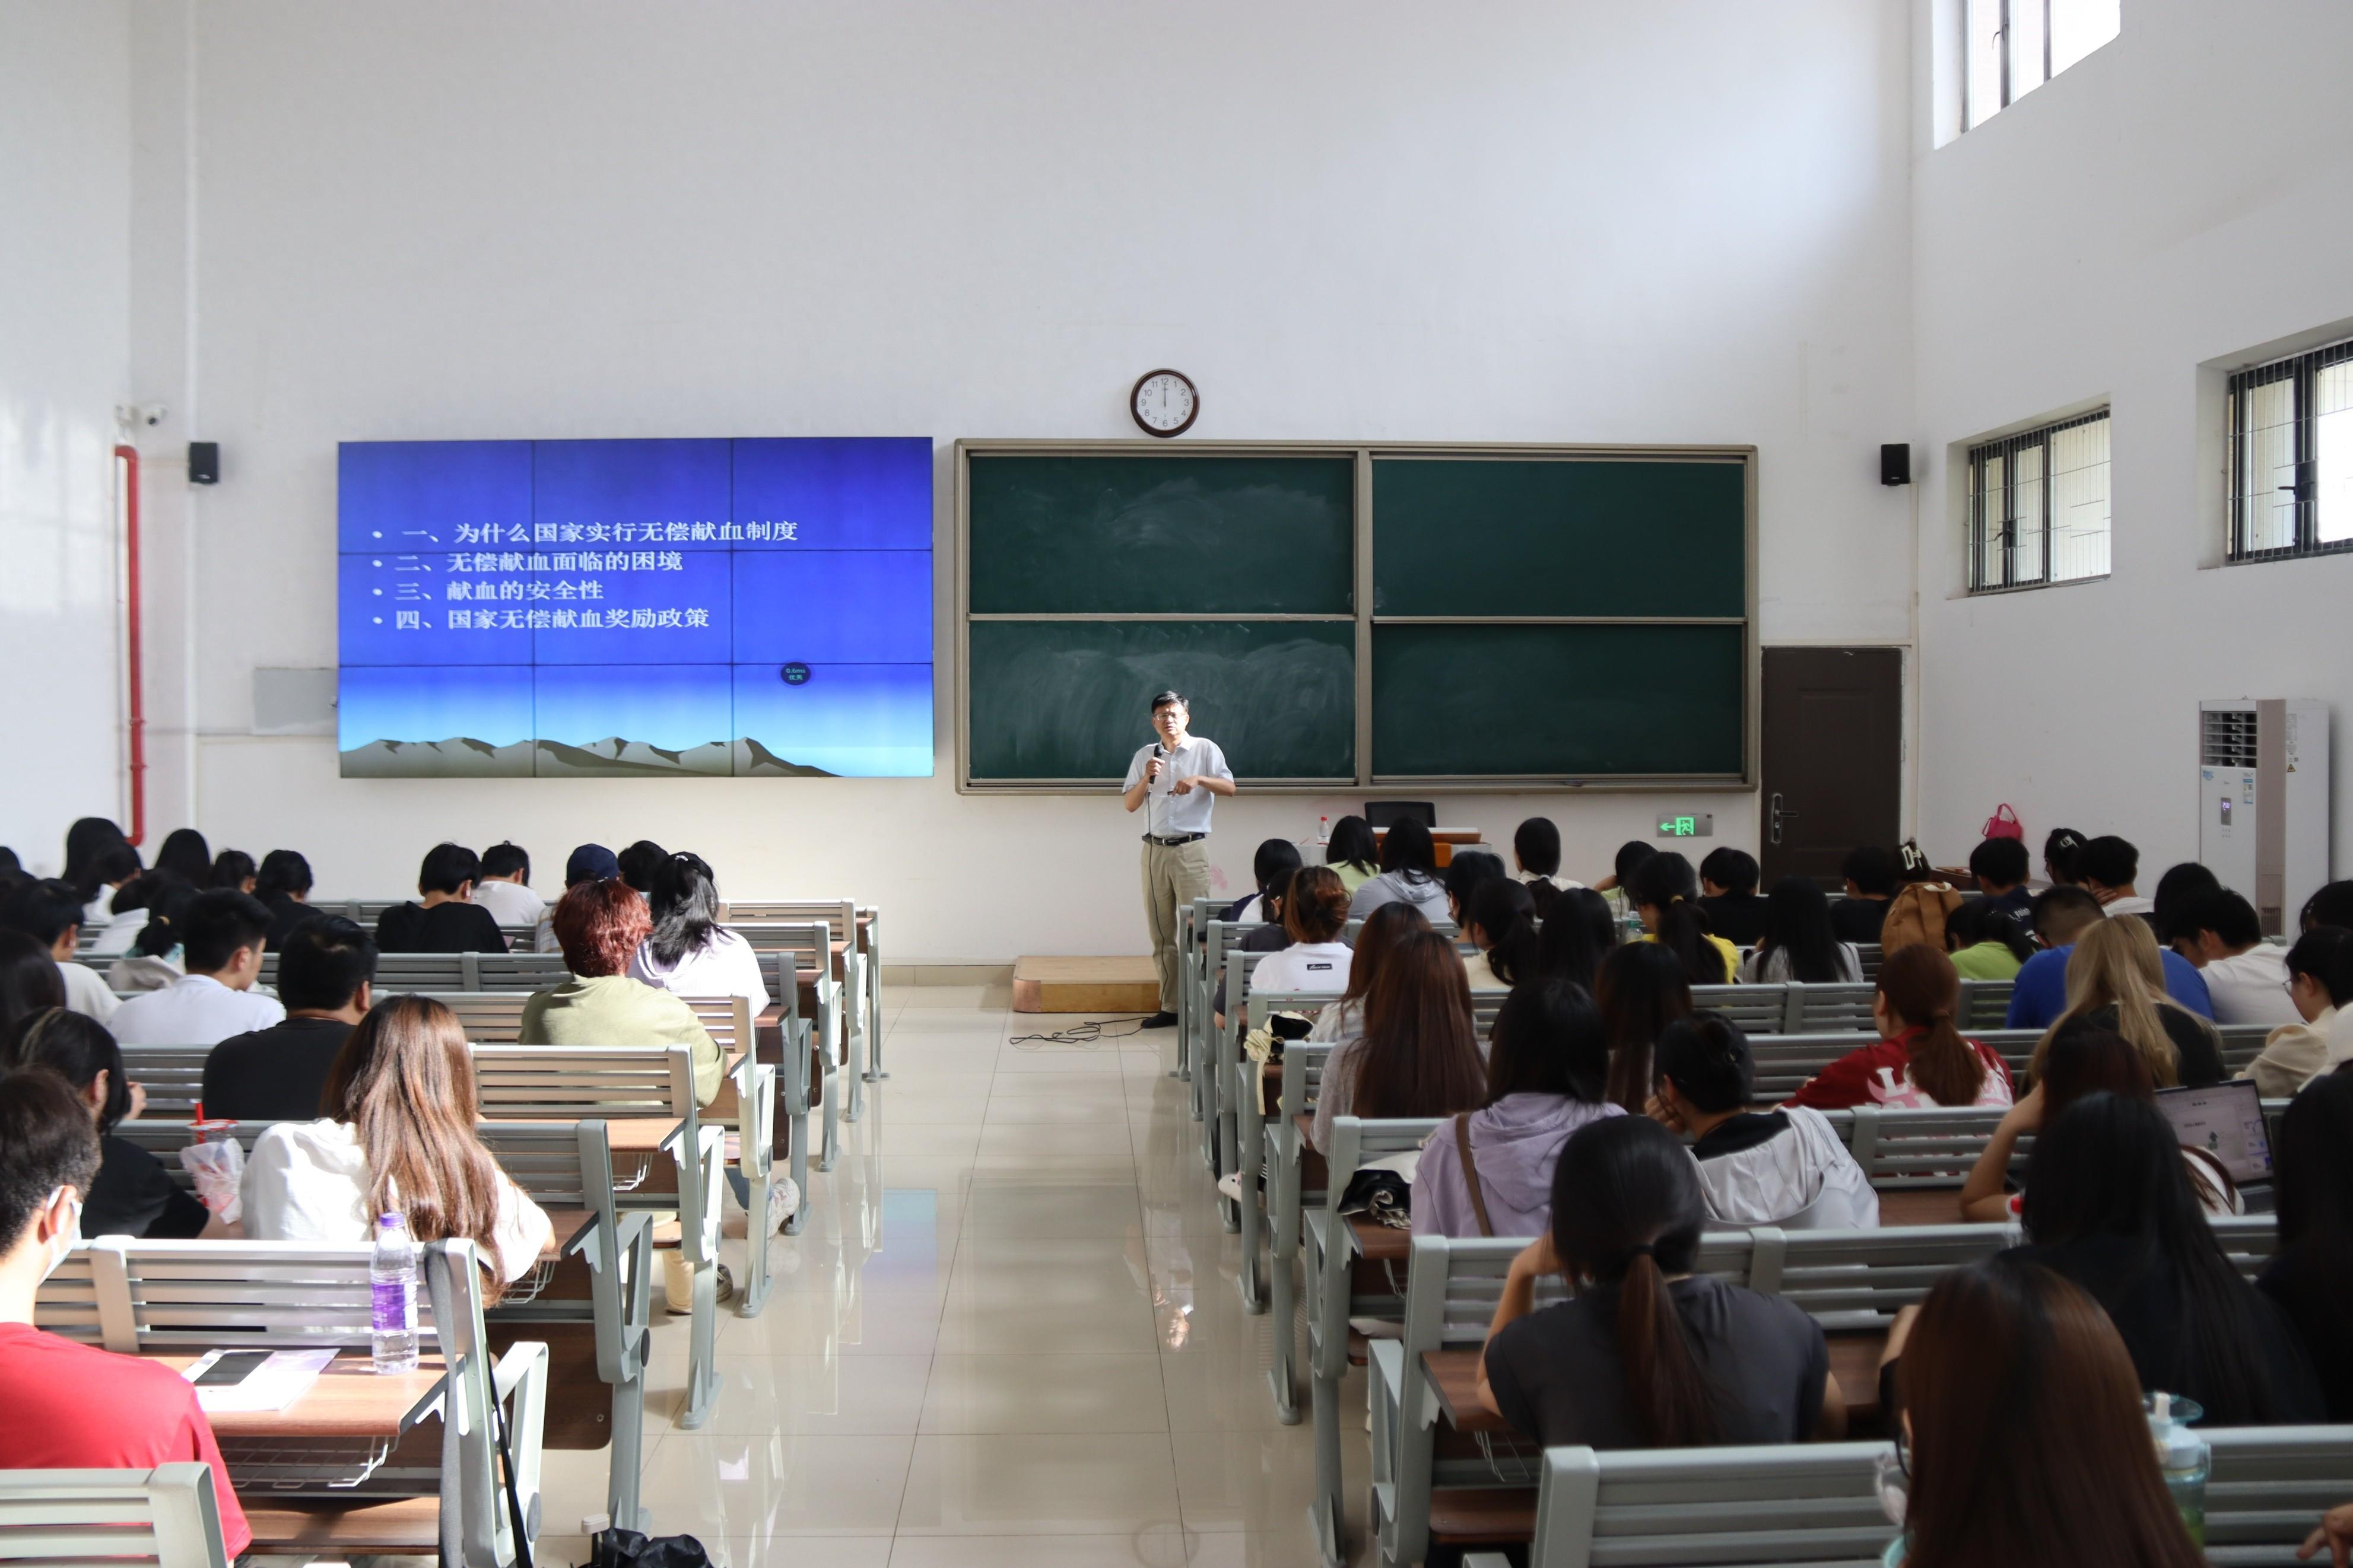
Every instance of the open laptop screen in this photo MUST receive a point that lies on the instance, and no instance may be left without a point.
(2226, 1120)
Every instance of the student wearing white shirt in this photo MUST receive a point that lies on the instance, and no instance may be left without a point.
(402, 1141)
(2246, 978)
(503, 887)
(690, 953)
(1501, 922)
(102, 878)
(2106, 868)
(1174, 781)
(2319, 984)
(49, 911)
(1314, 909)
(221, 942)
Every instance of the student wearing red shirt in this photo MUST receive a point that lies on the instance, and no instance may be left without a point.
(1920, 1059)
(70, 1406)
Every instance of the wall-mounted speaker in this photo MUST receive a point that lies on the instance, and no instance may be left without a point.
(1895, 463)
(203, 462)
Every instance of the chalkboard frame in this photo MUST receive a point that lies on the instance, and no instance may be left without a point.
(1364, 454)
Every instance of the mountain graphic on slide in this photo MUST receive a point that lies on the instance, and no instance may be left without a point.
(612, 757)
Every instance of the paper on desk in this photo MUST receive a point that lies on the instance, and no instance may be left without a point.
(273, 1385)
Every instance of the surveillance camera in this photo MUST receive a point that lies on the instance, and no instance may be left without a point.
(148, 414)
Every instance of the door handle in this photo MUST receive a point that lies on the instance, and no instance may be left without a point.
(1780, 812)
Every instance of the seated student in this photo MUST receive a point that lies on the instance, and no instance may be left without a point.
(283, 885)
(131, 906)
(2061, 915)
(1921, 1058)
(1409, 874)
(2019, 1403)
(1275, 858)
(2059, 846)
(2115, 981)
(1999, 866)
(1665, 895)
(504, 888)
(598, 925)
(133, 1195)
(326, 977)
(2311, 1274)
(156, 957)
(1576, 936)
(1798, 941)
(2105, 868)
(1630, 854)
(49, 911)
(1547, 1068)
(1315, 909)
(1470, 870)
(2109, 1206)
(1869, 872)
(1418, 1055)
(84, 839)
(447, 921)
(397, 1137)
(1354, 853)
(2331, 906)
(1535, 851)
(1727, 888)
(638, 863)
(1271, 935)
(1340, 1023)
(2180, 886)
(73, 1406)
(185, 855)
(689, 953)
(1640, 990)
(222, 937)
(1647, 1354)
(103, 877)
(234, 869)
(1985, 943)
(589, 863)
(29, 981)
(1785, 1167)
(2246, 977)
(2319, 983)
(1500, 922)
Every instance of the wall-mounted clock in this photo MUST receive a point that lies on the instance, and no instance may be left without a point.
(1164, 402)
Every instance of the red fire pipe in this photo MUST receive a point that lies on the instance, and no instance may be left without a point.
(136, 673)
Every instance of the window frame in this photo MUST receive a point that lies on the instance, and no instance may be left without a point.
(2009, 88)
(2301, 372)
(2006, 449)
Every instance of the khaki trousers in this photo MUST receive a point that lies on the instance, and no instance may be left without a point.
(1174, 876)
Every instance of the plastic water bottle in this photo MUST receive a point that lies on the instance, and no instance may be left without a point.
(2184, 1457)
(1324, 830)
(392, 1290)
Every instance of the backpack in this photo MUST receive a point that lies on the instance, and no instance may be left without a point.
(1917, 914)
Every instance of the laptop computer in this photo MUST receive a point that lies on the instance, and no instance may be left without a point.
(2226, 1121)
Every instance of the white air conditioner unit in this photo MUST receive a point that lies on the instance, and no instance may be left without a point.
(2263, 801)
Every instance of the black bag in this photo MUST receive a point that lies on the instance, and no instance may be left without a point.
(627, 1549)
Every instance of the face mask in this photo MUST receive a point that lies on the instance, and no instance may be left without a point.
(67, 1239)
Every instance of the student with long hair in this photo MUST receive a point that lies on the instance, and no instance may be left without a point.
(1340, 1023)
(1500, 922)
(1275, 861)
(600, 927)
(1409, 875)
(1578, 933)
(30, 981)
(1354, 853)
(1984, 942)
(133, 1195)
(102, 876)
(1641, 991)
(638, 863)
(2311, 1274)
(1647, 1354)
(1272, 934)
(2115, 980)
(688, 952)
(1421, 1055)
(1470, 870)
(185, 855)
(1920, 1058)
(2059, 846)
(1489, 1171)
(1727, 887)
(1786, 1167)
(84, 839)
(1798, 942)
(1314, 909)
(2109, 1205)
(128, 912)
(283, 886)
(2320, 987)
(396, 1137)
(2331, 905)
(1665, 893)
(157, 956)
(2023, 1433)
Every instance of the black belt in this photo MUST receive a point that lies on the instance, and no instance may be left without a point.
(1172, 841)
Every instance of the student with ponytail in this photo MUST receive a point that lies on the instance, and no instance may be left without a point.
(1500, 922)
(1647, 1354)
(1920, 1059)
(1664, 892)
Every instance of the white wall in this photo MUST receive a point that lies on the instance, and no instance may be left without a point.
(65, 237)
(2180, 199)
(1532, 221)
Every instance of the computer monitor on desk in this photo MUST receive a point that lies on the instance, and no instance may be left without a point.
(1388, 814)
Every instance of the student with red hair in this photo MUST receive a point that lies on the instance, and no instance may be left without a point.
(599, 925)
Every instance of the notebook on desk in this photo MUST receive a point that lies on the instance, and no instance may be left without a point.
(2226, 1121)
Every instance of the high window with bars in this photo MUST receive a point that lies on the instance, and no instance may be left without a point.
(2013, 46)
(2292, 455)
(2039, 506)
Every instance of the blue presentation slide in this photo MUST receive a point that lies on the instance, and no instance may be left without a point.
(569, 609)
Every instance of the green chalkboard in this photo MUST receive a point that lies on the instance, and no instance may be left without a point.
(1197, 535)
(1559, 536)
(1066, 699)
(1558, 701)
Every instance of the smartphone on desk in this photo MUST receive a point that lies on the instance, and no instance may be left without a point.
(222, 1369)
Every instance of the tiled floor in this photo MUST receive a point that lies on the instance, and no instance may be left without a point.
(1011, 1335)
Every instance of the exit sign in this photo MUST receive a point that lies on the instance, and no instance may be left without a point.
(1685, 827)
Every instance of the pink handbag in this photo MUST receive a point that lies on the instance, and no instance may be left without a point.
(2003, 823)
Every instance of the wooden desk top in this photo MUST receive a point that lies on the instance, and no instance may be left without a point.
(570, 1226)
(1379, 1242)
(349, 1400)
(1919, 1205)
(640, 1134)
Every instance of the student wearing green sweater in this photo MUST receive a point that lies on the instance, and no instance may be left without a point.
(599, 925)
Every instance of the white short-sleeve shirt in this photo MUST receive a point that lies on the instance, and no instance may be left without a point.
(1168, 813)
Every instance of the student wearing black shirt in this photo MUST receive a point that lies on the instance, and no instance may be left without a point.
(1647, 1354)
(1727, 886)
(133, 1195)
(1870, 873)
(2311, 1274)
(284, 885)
(447, 921)
(325, 976)
(1999, 864)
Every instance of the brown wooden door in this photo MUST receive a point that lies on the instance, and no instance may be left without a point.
(1833, 741)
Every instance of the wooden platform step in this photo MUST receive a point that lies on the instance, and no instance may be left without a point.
(1085, 985)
